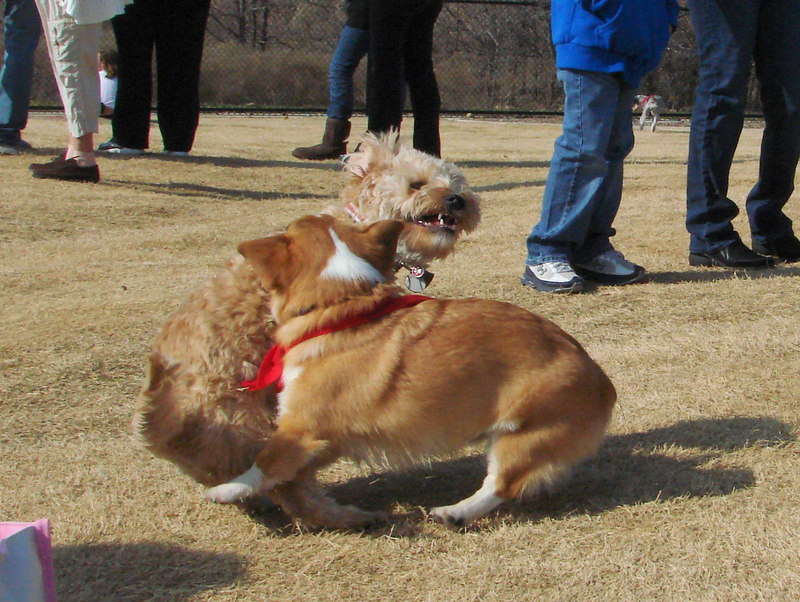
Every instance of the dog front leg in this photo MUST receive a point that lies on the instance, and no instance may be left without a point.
(285, 454)
(642, 119)
(305, 499)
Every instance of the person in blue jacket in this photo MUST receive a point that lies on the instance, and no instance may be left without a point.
(603, 49)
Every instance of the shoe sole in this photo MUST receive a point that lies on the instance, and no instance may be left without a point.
(42, 176)
(610, 280)
(776, 256)
(577, 287)
(707, 262)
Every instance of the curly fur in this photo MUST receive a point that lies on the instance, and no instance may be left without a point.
(191, 410)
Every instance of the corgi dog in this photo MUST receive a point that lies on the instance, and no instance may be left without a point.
(369, 374)
(192, 409)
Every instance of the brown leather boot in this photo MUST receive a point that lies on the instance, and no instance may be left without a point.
(333, 145)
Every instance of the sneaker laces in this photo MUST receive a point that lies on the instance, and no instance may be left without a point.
(560, 267)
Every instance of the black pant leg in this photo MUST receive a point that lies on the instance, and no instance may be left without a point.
(134, 32)
(419, 73)
(179, 53)
(388, 22)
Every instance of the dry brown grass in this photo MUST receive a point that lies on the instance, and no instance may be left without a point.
(692, 496)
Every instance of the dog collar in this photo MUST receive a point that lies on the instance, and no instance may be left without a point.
(354, 213)
(418, 278)
(271, 369)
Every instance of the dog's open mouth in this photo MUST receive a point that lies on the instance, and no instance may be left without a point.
(438, 222)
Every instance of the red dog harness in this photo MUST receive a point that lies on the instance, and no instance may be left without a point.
(271, 369)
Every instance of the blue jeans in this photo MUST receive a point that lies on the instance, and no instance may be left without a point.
(22, 28)
(353, 45)
(584, 184)
(730, 34)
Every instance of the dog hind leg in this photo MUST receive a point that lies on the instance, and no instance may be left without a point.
(478, 504)
(522, 463)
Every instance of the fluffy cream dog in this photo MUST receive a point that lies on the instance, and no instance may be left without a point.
(378, 377)
(193, 410)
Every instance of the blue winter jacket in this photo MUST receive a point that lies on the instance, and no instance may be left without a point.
(612, 36)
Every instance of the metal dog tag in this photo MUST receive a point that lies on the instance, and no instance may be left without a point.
(418, 279)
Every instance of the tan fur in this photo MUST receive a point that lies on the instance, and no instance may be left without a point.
(191, 410)
(420, 381)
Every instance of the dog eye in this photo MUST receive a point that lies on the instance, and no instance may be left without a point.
(416, 185)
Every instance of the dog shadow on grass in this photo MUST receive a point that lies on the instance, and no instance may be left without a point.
(677, 461)
(141, 571)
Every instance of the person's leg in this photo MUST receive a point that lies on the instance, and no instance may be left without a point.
(578, 168)
(421, 78)
(388, 24)
(353, 45)
(179, 53)
(22, 28)
(596, 259)
(134, 33)
(726, 33)
(609, 195)
(73, 55)
(575, 180)
(777, 59)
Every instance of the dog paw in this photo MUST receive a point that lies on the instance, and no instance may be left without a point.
(448, 517)
(228, 493)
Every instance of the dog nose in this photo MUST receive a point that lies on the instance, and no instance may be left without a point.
(455, 202)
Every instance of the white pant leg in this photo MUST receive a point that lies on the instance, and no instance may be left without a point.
(73, 53)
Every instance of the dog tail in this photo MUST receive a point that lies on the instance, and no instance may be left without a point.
(153, 388)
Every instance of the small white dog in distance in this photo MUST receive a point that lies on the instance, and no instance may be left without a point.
(651, 106)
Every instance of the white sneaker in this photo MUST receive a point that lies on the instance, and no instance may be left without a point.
(121, 150)
(552, 277)
(169, 153)
(611, 268)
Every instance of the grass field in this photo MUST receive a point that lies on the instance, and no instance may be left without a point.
(693, 495)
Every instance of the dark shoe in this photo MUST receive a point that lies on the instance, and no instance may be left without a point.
(66, 169)
(15, 147)
(610, 268)
(785, 249)
(735, 255)
(333, 145)
(34, 167)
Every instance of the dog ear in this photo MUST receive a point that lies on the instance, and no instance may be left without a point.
(267, 256)
(386, 233)
(357, 163)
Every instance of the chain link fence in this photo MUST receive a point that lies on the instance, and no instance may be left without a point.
(491, 56)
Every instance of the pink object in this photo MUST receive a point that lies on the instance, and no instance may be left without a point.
(26, 562)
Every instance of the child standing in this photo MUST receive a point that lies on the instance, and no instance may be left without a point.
(603, 49)
(108, 60)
